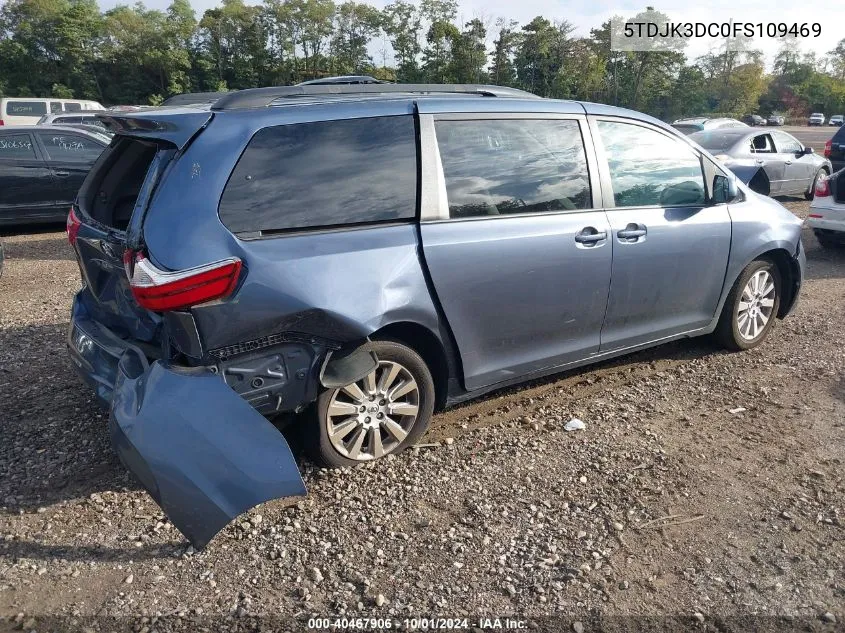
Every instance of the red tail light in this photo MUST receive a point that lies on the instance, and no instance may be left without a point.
(827, 148)
(73, 225)
(159, 290)
(822, 186)
(1, 122)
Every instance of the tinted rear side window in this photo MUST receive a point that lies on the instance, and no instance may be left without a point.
(505, 167)
(16, 146)
(26, 108)
(325, 173)
(70, 147)
(73, 107)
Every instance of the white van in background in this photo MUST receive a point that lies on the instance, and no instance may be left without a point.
(27, 110)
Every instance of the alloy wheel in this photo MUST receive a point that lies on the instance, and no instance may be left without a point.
(371, 418)
(756, 305)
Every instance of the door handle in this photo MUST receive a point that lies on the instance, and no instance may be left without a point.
(62, 174)
(627, 234)
(589, 235)
(787, 162)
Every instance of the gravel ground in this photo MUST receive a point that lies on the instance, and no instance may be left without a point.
(707, 488)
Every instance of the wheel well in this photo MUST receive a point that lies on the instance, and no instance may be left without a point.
(788, 277)
(427, 345)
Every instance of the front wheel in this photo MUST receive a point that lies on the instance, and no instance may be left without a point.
(383, 413)
(751, 307)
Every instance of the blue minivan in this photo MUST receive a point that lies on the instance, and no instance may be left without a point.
(364, 255)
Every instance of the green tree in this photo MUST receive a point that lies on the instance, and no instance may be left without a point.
(469, 53)
(502, 71)
(355, 25)
(402, 22)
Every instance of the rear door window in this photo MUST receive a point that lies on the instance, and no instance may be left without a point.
(26, 108)
(325, 173)
(504, 167)
(16, 146)
(70, 147)
(648, 168)
(786, 144)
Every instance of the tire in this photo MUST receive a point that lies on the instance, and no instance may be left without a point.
(380, 438)
(811, 192)
(735, 333)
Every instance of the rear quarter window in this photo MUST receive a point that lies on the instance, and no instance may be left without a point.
(325, 173)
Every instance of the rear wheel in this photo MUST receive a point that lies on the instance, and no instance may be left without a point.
(383, 413)
(751, 307)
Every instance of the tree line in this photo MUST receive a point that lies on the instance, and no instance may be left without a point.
(136, 55)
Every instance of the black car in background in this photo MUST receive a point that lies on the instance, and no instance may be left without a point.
(753, 120)
(834, 149)
(42, 168)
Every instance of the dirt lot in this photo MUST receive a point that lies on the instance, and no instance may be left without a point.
(707, 487)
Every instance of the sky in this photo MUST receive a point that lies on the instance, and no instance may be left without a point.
(588, 14)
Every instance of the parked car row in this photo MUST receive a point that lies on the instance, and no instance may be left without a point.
(818, 118)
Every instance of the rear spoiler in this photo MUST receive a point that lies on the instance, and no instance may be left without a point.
(175, 126)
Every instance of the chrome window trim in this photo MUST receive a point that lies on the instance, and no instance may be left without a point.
(434, 205)
(434, 202)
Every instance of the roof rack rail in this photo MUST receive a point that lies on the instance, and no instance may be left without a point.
(263, 97)
(342, 80)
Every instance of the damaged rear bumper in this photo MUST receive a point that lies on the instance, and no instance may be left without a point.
(201, 451)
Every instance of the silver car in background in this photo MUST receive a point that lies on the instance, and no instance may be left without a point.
(770, 162)
(698, 124)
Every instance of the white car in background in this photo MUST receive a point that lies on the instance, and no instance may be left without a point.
(827, 211)
(816, 118)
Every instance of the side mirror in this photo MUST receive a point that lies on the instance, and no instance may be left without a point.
(724, 189)
(808, 150)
